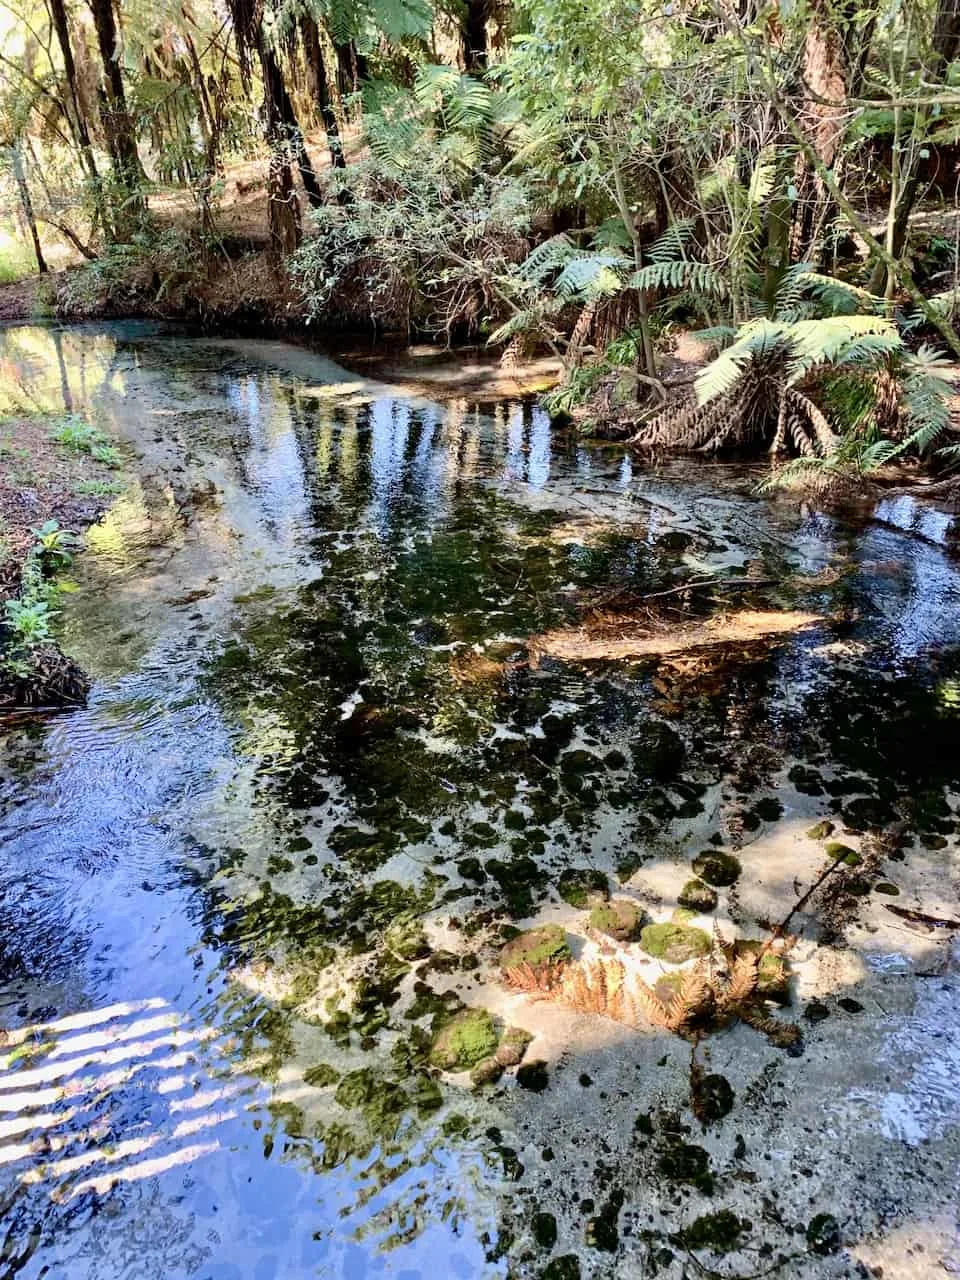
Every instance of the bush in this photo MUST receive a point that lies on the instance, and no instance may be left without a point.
(414, 249)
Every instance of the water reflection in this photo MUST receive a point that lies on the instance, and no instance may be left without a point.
(318, 779)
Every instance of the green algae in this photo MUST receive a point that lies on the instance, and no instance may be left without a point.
(464, 1041)
(683, 1162)
(721, 1232)
(674, 943)
(321, 1075)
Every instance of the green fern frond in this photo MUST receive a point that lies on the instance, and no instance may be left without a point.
(699, 277)
(671, 244)
(592, 275)
(758, 339)
(549, 256)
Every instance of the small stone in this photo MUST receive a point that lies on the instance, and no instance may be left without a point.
(674, 943)
(885, 887)
(713, 1098)
(622, 919)
(849, 1005)
(698, 897)
(544, 945)
(513, 1045)
(717, 868)
(488, 1071)
(464, 1041)
(533, 1076)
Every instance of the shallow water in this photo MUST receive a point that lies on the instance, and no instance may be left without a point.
(211, 879)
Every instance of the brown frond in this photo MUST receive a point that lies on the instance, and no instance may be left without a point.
(782, 1034)
(543, 980)
(694, 1001)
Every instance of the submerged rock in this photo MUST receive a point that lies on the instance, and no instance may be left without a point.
(713, 1098)
(464, 1041)
(622, 919)
(823, 1235)
(513, 1045)
(658, 751)
(821, 831)
(565, 1268)
(720, 1231)
(843, 852)
(544, 1230)
(547, 944)
(717, 868)
(674, 943)
(488, 1071)
(698, 897)
(583, 887)
(533, 1076)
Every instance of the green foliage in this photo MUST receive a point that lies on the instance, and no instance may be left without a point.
(81, 436)
(415, 249)
(54, 545)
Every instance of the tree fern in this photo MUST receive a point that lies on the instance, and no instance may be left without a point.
(699, 277)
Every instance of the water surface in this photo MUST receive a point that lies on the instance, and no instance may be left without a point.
(292, 759)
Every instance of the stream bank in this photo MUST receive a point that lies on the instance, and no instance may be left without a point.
(320, 785)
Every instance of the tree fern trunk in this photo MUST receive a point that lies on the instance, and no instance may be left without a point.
(121, 137)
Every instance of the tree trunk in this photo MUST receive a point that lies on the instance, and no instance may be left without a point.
(944, 49)
(75, 99)
(320, 88)
(475, 35)
(825, 75)
(121, 138)
(26, 204)
(293, 132)
(281, 198)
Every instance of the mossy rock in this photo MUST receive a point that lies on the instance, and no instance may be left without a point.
(842, 853)
(583, 887)
(823, 1235)
(545, 1230)
(565, 1268)
(674, 943)
(698, 897)
(717, 868)
(464, 1041)
(622, 919)
(382, 1102)
(821, 831)
(684, 1162)
(488, 1071)
(720, 1232)
(547, 944)
(713, 1097)
(513, 1045)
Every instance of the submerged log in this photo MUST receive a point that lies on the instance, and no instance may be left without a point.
(629, 637)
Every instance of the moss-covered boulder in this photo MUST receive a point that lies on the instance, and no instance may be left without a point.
(583, 887)
(622, 919)
(717, 868)
(320, 1076)
(464, 1041)
(488, 1071)
(674, 943)
(698, 897)
(821, 830)
(513, 1045)
(547, 944)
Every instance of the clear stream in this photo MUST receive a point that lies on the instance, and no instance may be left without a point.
(216, 992)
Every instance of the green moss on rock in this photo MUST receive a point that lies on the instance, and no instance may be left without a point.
(583, 887)
(842, 853)
(547, 944)
(698, 897)
(821, 831)
(674, 943)
(464, 1041)
(622, 919)
(717, 868)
